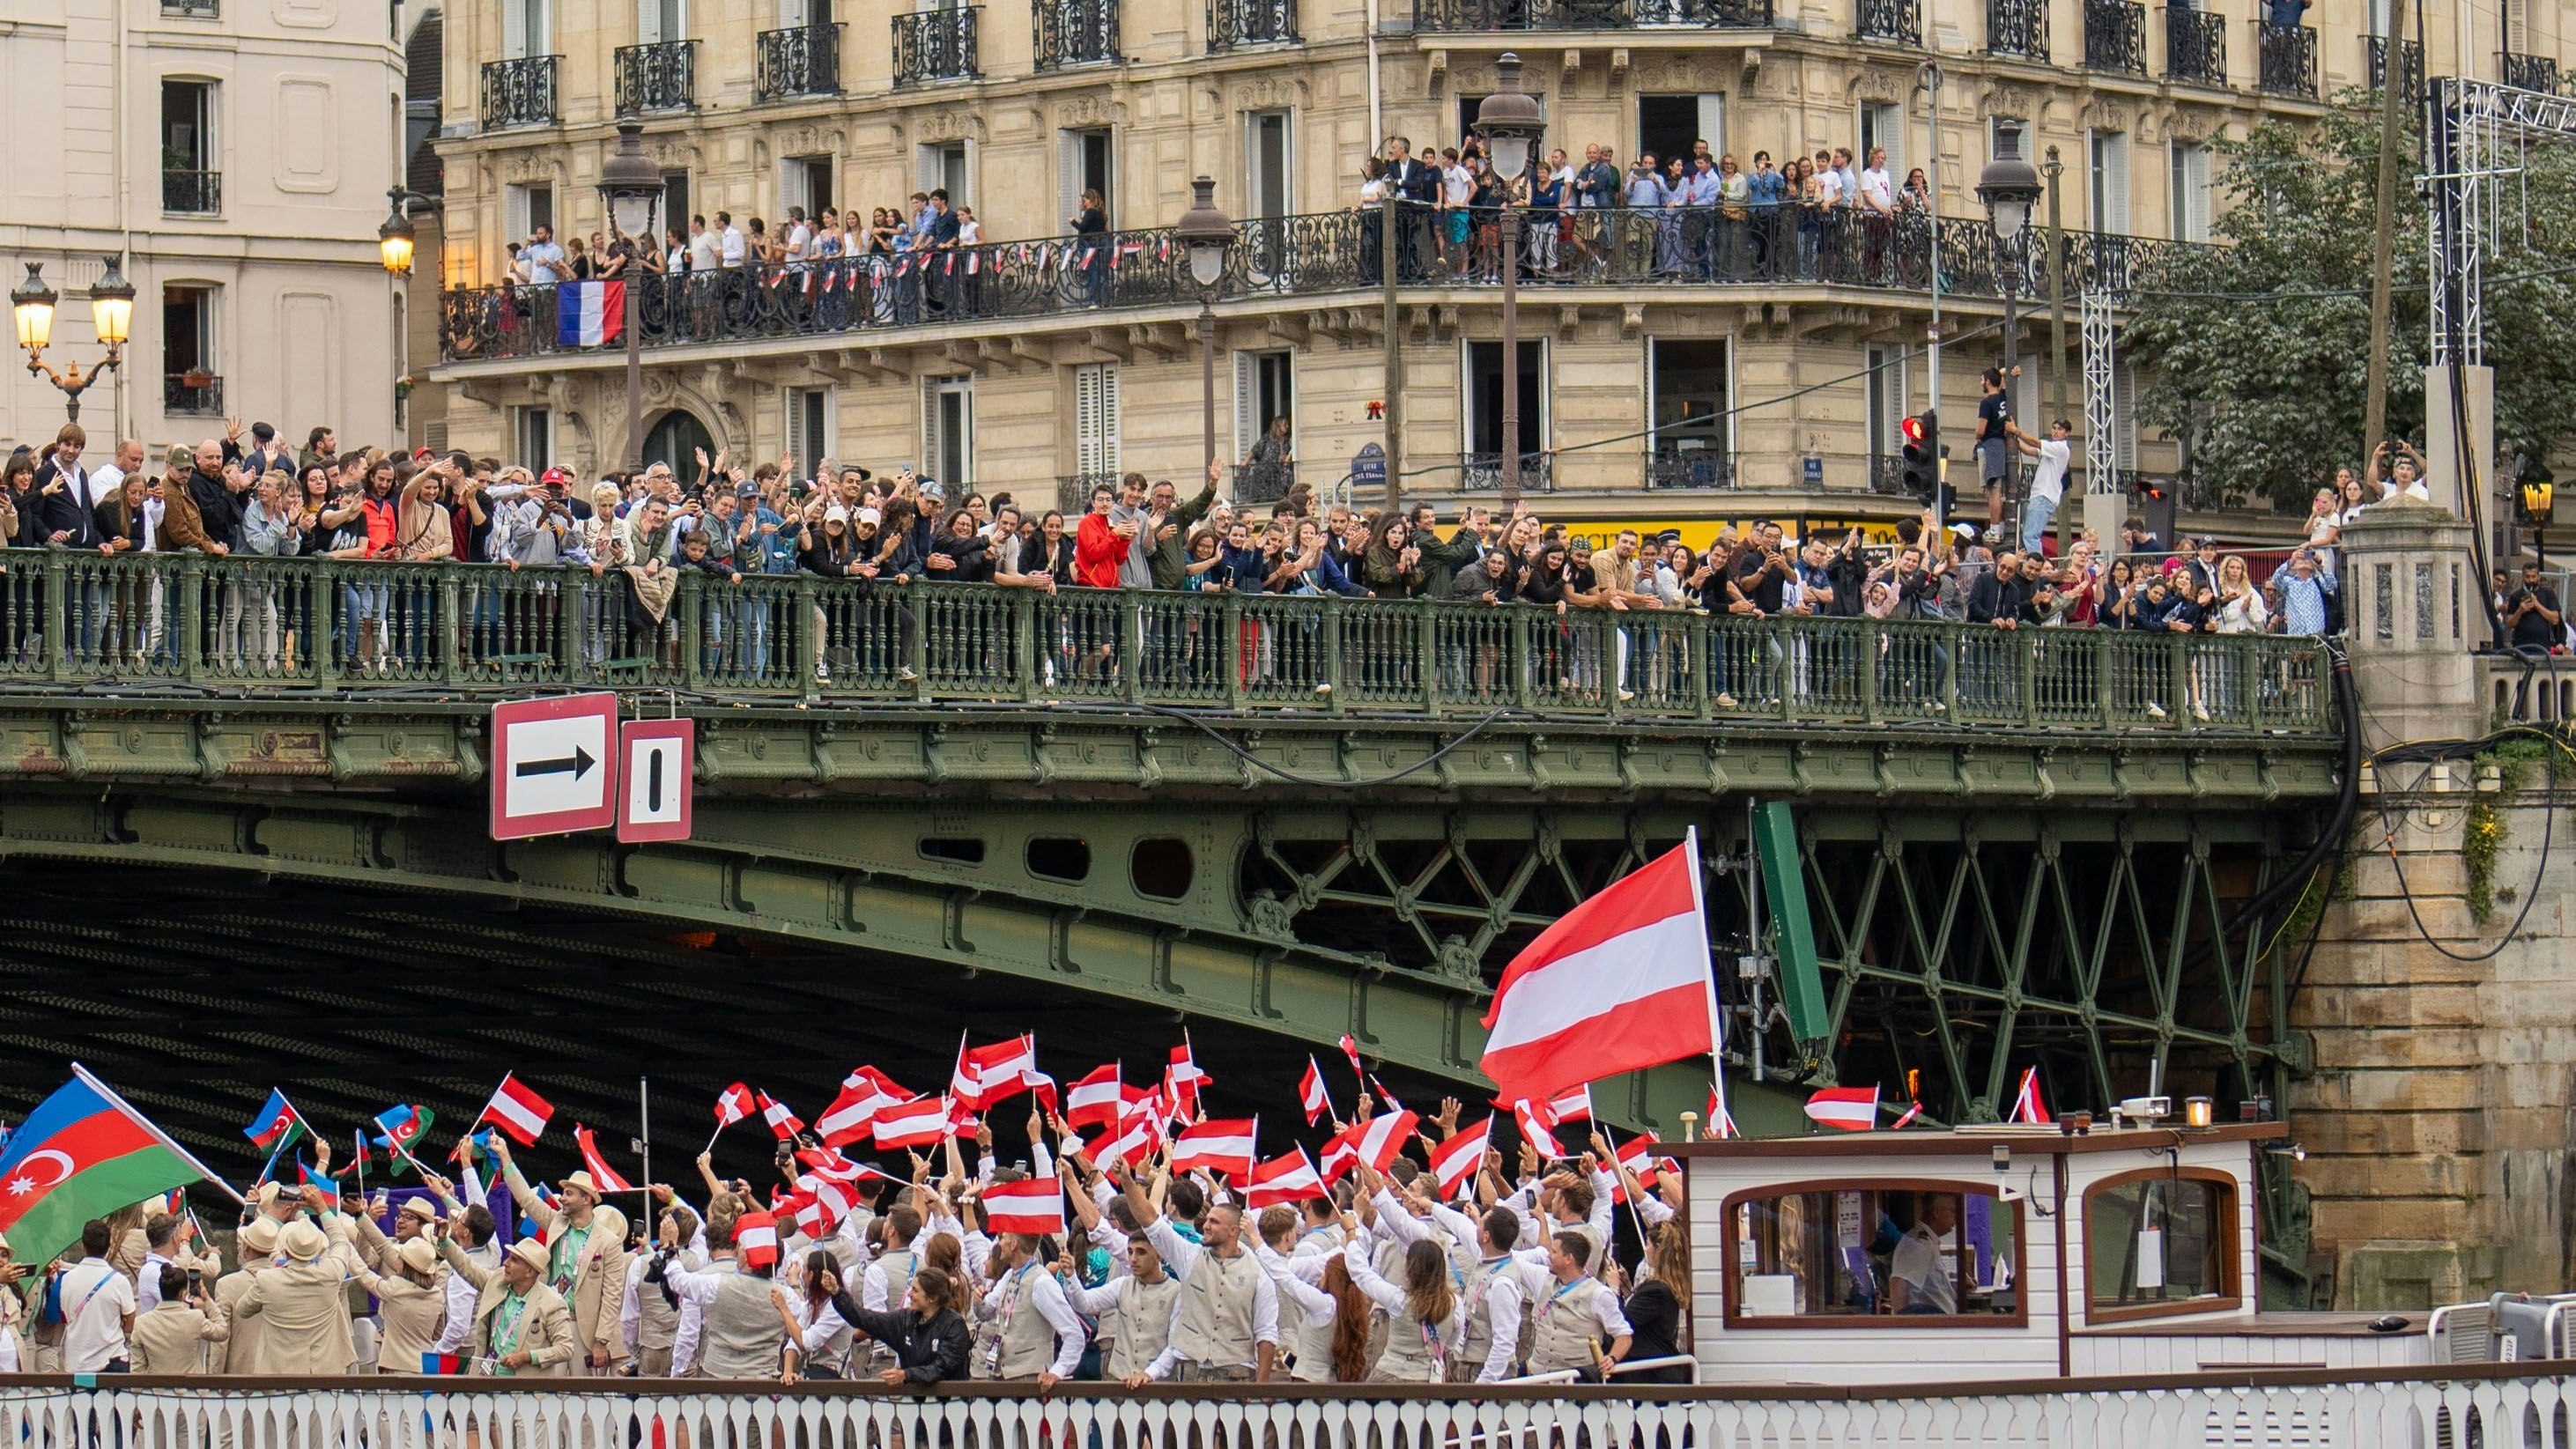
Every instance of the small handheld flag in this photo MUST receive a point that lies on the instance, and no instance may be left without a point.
(517, 1111)
(1034, 1206)
(608, 1178)
(1311, 1094)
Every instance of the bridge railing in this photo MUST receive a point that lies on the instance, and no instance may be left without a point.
(2493, 1404)
(188, 619)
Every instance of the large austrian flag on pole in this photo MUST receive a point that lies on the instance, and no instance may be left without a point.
(1618, 983)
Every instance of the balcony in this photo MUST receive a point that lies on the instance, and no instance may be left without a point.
(192, 395)
(1483, 473)
(1488, 16)
(1258, 483)
(2195, 47)
(2115, 36)
(1068, 33)
(1900, 21)
(1681, 464)
(2286, 60)
(1234, 24)
(660, 77)
(803, 60)
(192, 193)
(936, 45)
(2017, 28)
(520, 92)
(2530, 72)
(2410, 66)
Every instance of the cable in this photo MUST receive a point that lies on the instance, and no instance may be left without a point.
(1249, 758)
(2432, 750)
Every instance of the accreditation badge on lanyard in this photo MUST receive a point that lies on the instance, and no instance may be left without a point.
(1010, 1306)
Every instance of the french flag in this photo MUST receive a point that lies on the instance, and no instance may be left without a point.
(589, 314)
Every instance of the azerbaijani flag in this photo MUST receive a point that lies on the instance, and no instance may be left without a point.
(84, 1154)
(589, 314)
(277, 1126)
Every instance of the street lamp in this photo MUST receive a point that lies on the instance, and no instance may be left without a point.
(630, 185)
(111, 311)
(1207, 235)
(394, 239)
(2009, 186)
(2537, 504)
(1510, 122)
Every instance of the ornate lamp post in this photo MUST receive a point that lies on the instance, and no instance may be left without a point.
(2009, 186)
(111, 310)
(631, 187)
(2537, 504)
(395, 238)
(1208, 235)
(1510, 122)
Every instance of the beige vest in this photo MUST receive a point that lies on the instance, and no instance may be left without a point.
(1477, 1280)
(1026, 1341)
(739, 1333)
(1314, 1344)
(1415, 1353)
(657, 1322)
(1567, 1334)
(1140, 1327)
(1216, 1311)
(898, 1266)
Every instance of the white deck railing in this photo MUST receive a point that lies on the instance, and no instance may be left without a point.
(2484, 1405)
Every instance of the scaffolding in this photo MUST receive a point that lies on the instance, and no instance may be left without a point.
(2477, 136)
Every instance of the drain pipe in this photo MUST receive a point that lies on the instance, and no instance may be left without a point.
(1377, 119)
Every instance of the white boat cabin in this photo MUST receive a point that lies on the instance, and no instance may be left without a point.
(1995, 1253)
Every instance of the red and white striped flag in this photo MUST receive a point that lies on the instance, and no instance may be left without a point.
(1351, 1049)
(783, 1124)
(853, 1114)
(732, 1105)
(1097, 1100)
(1852, 1109)
(987, 1074)
(1182, 1080)
(1638, 1153)
(1282, 1181)
(1534, 1130)
(755, 1239)
(1033, 1205)
(1342, 1151)
(1381, 1139)
(917, 1123)
(830, 1164)
(1454, 1162)
(1618, 983)
(2027, 1106)
(1385, 1098)
(1721, 1122)
(1311, 1094)
(608, 1178)
(1139, 1135)
(517, 1111)
(1223, 1145)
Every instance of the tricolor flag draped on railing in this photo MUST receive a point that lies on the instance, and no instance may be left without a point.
(1618, 983)
(83, 1154)
(589, 314)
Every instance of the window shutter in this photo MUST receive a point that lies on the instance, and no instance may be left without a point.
(1109, 460)
(2115, 181)
(2196, 192)
(514, 29)
(791, 14)
(929, 463)
(1712, 122)
(2124, 395)
(1068, 173)
(648, 22)
(1247, 389)
(1095, 407)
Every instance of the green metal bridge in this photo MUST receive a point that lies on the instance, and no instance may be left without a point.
(242, 805)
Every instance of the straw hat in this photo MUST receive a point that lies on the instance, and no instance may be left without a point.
(419, 1256)
(304, 1242)
(530, 1252)
(421, 1208)
(259, 1236)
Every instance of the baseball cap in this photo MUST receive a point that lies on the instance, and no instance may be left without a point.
(836, 514)
(556, 478)
(1964, 530)
(870, 515)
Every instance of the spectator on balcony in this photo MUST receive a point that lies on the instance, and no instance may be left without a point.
(541, 261)
(706, 248)
(321, 450)
(2047, 481)
(1876, 193)
(1916, 194)
(577, 266)
(1994, 455)
(2285, 14)
(731, 249)
(2308, 590)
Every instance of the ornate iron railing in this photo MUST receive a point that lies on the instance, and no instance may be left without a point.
(520, 92)
(1683, 250)
(2195, 46)
(1263, 482)
(198, 193)
(658, 77)
(333, 625)
(1677, 465)
(1897, 20)
(2017, 28)
(2530, 72)
(802, 60)
(936, 45)
(2410, 66)
(1476, 16)
(2115, 36)
(1074, 32)
(1483, 472)
(192, 394)
(2286, 59)
(1233, 24)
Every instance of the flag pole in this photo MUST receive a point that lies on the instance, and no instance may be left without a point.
(1716, 1022)
(644, 1124)
(360, 1138)
(148, 1125)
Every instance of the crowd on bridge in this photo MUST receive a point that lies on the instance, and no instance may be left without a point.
(1135, 1240)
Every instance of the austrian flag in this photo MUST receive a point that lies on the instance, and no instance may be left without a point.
(1033, 1205)
(1222, 1145)
(517, 1111)
(783, 1124)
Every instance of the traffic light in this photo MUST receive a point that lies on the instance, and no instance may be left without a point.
(1922, 454)
(2156, 501)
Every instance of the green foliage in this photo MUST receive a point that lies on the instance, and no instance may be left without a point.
(2272, 393)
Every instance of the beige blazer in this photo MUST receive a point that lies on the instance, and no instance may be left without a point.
(599, 1273)
(306, 1311)
(414, 1316)
(545, 1328)
(172, 1339)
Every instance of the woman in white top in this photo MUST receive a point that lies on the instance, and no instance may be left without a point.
(2240, 604)
(826, 1336)
(1425, 1316)
(1330, 1339)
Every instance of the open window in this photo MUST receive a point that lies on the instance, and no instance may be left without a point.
(2160, 1241)
(1873, 1253)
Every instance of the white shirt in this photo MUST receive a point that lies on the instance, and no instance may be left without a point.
(732, 245)
(2420, 490)
(1917, 1264)
(105, 482)
(1829, 183)
(1180, 1255)
(1876, 190)
(463, 1298)
(2048, 480)
(147, 1283)
(1040, 1291)
(1456, 185)
(799, 236)
(702, 252)
(96, 1301)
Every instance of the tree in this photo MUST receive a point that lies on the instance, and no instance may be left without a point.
(2256, 351)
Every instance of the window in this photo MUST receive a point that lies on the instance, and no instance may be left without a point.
(660, 20)
(948, 431)
(1882, 123)
(531, 205)
(1083, 164)
(1265, 387)
(2160, 1241)
(1267, 160)
(1887, 400)
(675, 201)
(954, 849)
(2124, 409)
(809, 424)
(1816, 1255)
(948, 164)
(1095, 420)
(805, 181)
(189, 175)
(1059, 857)
(1485, 398)
(2190, 199)
(527, 28)
(2110, 182)
(2375, 17)
(1161, 868)
(192, 384)
(1690, 386)
(534, 428)
(1673, 126)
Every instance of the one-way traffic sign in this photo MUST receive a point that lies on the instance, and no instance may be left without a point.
(554, 765)
(656, 802)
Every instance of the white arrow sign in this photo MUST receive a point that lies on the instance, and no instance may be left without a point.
(554, 765)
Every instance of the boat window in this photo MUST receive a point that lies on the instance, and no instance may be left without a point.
(1817, 1254)
(2160, 1240)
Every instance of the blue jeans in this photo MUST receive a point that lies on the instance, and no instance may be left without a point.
(2035, 517)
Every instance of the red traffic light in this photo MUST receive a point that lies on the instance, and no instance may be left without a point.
(1912, 427)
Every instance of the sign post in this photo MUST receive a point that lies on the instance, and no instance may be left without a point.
(554, 765)
(659, 769)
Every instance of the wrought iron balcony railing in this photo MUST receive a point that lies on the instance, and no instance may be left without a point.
(2195, 46)
(2017, 28)
(1483, 472)
(658, 77)
(2410, 66)
(2530, 72)
(802, 60)
(1263, 482)
(520, 92)
(192, 394)
(1233, 24)
(1074, 32)
(1482, 16)
(1897, 20)
(194, 193)
(1678, 465)
(936, 45)
(2115, 36)
(1686, 251)
(2286, 63)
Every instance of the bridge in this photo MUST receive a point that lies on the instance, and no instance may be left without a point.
(243, 805)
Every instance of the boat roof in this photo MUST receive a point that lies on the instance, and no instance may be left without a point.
(1976, 1140)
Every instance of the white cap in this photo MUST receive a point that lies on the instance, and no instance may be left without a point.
(836, 514)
